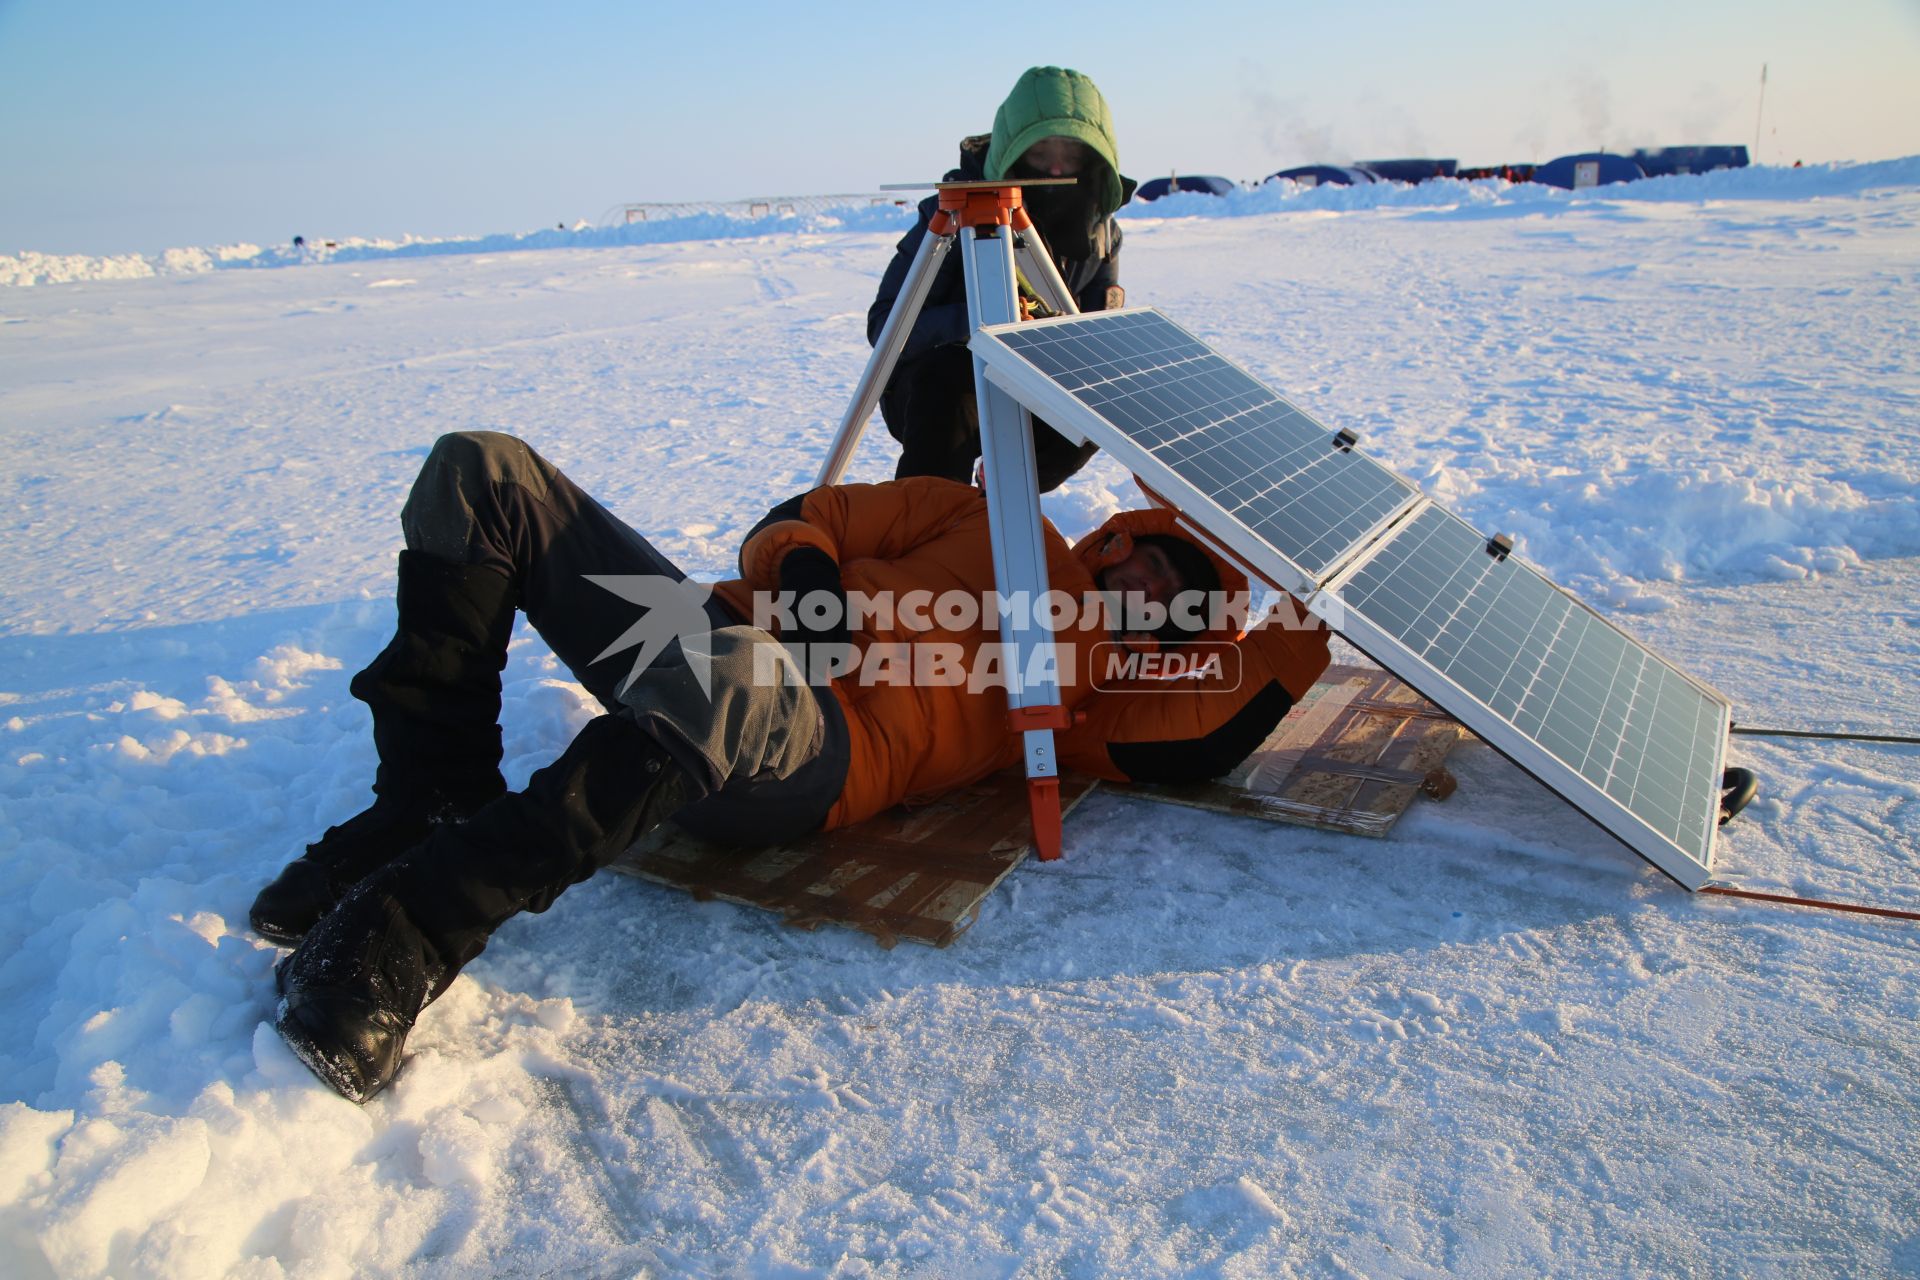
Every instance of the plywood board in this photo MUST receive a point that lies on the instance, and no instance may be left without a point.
(917, 872)
(1350, 756)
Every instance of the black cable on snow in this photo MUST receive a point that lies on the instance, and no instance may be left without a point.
(1902, 739)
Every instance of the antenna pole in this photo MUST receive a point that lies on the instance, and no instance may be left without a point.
(1761, 111)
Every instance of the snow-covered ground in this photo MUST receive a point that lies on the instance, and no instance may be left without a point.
(1495, 1044)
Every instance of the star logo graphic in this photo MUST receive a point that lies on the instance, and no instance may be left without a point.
(672, 611)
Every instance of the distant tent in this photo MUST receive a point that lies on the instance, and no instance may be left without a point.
(1666, 160)
(1157, 187)
(1505, 172)
(1414, 170)
(1320, 175)
(1590, 169)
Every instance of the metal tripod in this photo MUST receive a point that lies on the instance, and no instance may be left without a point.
(992, 229)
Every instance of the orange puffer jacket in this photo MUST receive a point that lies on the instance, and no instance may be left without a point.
(925, 709)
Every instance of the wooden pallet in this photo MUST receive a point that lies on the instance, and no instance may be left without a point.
(915, 872)
(1350, 756)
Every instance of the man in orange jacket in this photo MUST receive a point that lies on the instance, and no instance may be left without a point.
(884, 590)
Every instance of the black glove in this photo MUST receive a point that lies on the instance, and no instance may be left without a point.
(809, 572)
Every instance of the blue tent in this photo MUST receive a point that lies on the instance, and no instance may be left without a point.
(1417, 170)
(1158, 187)
(1690, 159)
(1590, 169)
(1320, 175)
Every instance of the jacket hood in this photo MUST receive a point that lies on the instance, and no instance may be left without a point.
(1056, 102)
(1112, 542)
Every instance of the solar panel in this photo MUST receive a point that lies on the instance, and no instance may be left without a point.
(1572, 694)
(1628, 738)
(1265, 464)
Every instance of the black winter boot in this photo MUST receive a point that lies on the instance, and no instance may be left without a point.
(351, 992)
(435, 696)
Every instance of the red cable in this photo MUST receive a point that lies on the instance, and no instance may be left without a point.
(1853, 907)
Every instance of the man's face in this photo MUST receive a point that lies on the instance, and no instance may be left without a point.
(1056, 158)
(1148, 572)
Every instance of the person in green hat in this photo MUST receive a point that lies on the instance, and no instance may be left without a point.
(1054, 124)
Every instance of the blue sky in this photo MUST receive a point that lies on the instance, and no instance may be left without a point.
(132, 127)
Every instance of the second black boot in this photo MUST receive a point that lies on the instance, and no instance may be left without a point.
(435, 696)
(351, 993)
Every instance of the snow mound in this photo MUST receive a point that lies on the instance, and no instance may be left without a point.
(39, 268)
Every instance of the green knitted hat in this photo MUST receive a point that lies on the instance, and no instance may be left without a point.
(1049, 102)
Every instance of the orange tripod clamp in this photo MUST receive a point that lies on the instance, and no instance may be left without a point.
(1043, 793)
(981, 205)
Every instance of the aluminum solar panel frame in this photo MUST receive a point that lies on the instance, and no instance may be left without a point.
(1629, 739)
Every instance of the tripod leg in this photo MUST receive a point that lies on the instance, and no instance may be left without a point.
(1030, 252)
(886, 350)
(1019, 547)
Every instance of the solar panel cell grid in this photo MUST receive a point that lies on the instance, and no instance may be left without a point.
(1267, 464)
(1618, 716)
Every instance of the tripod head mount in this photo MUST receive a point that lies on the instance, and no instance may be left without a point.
(981, 203)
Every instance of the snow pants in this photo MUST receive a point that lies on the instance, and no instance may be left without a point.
(930, 409)
(721, 697)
